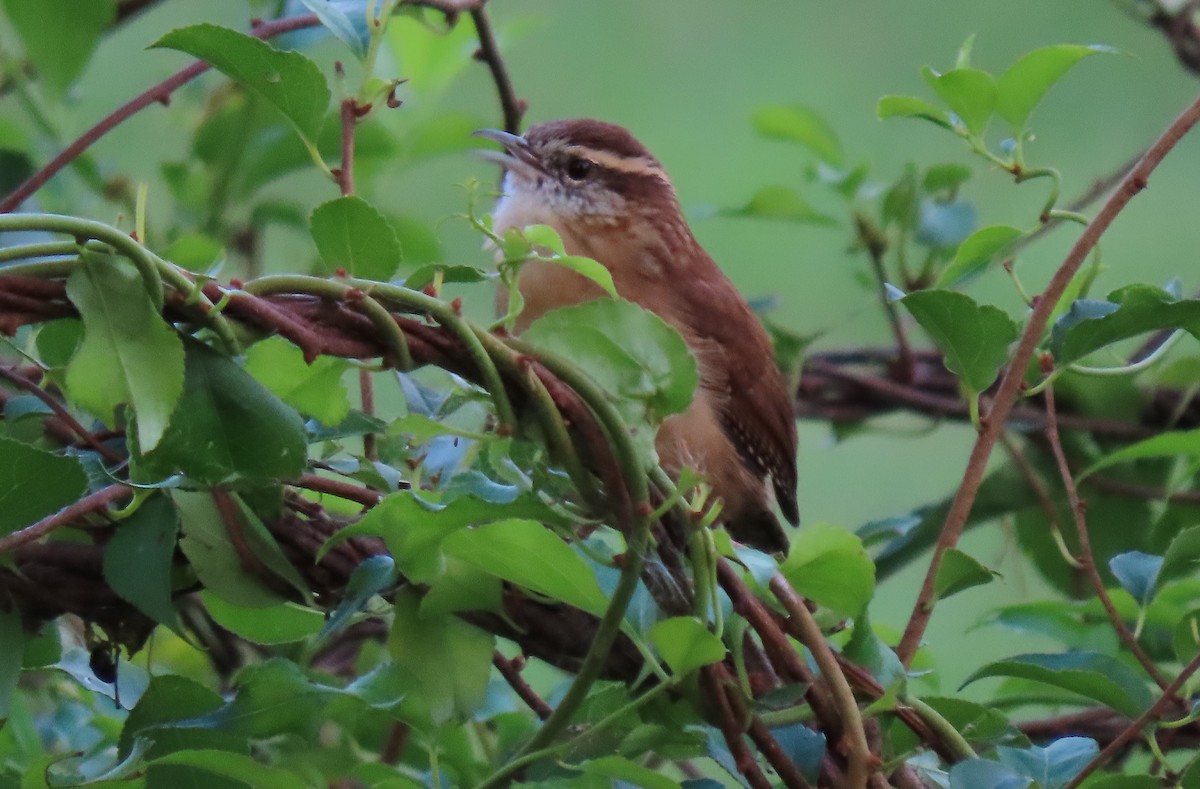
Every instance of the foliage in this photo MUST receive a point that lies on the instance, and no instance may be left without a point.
(316, 527)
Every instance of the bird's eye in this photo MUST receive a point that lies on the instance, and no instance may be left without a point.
(578, 168)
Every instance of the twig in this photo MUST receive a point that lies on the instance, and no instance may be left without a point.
(345, 173)
(489, 52)
(96, 501)
(1132, 730)
(512, 675)
(769, 747)
(393, 747)
(716, 682)
(876, 246)
(859, 760)
(85, 435)
(343, 490)
(1014, 375)
(1087, 559)
(158, 93)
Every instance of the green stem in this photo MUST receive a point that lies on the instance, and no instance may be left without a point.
(942, 727)
(1055, 188)
(1136, 367)
(48, 249)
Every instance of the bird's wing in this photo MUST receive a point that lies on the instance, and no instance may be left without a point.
(754, 404)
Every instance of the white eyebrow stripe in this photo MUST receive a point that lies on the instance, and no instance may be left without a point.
(636, 165)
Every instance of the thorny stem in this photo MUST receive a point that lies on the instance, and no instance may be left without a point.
(1010, 385)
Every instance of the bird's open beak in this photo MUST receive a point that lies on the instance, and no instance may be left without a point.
(516, 156)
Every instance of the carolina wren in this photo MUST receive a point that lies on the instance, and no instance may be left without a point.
(610, 200)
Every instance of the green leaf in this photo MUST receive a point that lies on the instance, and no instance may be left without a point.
(213, 556)
(352, 235)
(227, 426)
(12, 635)
(973, 255)
(829, 565)
(1183, 554)
(1096, 676)
(1129, 311)
(686, 644)
(138, 560)
(1053, 766)
(959, 571)
(985, 774)
(355, 36)
(1022, 86)
(800, 124)
(370, 577)
(1186, 636)
(57, 340)
(287, 80)
(451, 659)
(1179, 442)
(60, 35)
(780, 202)
(35, 483)
(1137, 573)
(969, 93)
(129, 354)
(528, 554)
(973, 338)
(868, 650)
(317, 390)
(631, 352)
(626, 772)
(943, 177)
(170, 698)
(232, 765)
(283, 623)
(911, 107)
(546, 241)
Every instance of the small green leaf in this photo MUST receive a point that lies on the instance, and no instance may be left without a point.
(370, 577)
(942, 224)
(1186, 638)
(289, 81)
(237, 766)
(959, 571)
(942, 177)
(911, 107)
(1097, 676)
(138, 560)
(1183, 554)
(631, 352)
(625, 772)
(686, 644)
(227, 426)
(528, 554)
(974, 254)
(35, 483)
(1053, 766)
(60, 35)
(1179, 442)
(213, 556)
(868, 650)
(803, 125)
(969, 93)
(352, 235)
(129, 354)
(284, 623)
(1137, 573)
(1129, 311)
(973, 338)
(1022, 86)
(451, 659)
(829, 565)
(780, 202)
(316, 389)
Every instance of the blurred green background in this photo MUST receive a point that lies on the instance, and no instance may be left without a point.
(685, 78)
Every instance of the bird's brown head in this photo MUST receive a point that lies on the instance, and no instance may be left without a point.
(580, 171)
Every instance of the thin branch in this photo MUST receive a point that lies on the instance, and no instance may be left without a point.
(717, 690)
(512, 675)
(489, 53)
(1014, 376)
(876, 247)
(160, 93)
(1135, 727)
(1087, 558)
(343, 490)
(859, 759)
(85, 435)
(67, 515)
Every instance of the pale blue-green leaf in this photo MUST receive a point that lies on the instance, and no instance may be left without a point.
(1054, 765)
(985, 774)
(944, 224)
(355, 36)
(1137, 573)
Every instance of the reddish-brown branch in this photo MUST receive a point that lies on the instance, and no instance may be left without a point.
(512, 107)
(343, 490)
(160, 93)
(1135, 727)
(85, 435)
(717, 690)
(512, 675)
(769, 747)
(66, 516)
(1014, 376)
(1087, 559)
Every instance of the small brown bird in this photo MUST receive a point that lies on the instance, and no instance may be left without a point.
(610, 200)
